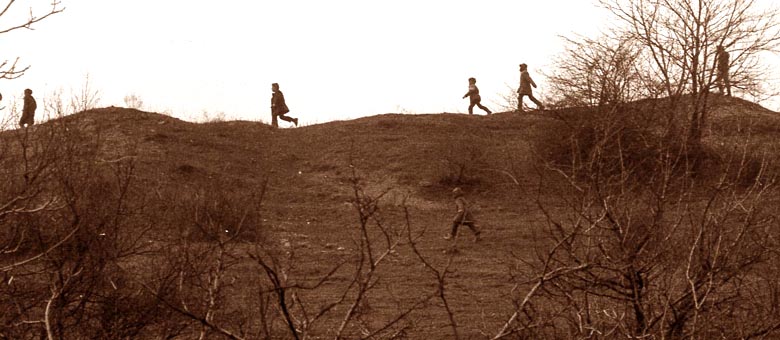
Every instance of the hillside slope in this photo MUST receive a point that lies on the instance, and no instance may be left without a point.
(310, 176)
(418, 158)
(308, 168)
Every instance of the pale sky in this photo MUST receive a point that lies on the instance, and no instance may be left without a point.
(334, 59)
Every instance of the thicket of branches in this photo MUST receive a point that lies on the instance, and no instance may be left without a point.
(10, 68)
(666, 49)
(639, 246)
(650, 232)
(637, 242)
(92, 249)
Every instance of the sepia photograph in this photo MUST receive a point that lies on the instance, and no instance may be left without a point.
(409, 169)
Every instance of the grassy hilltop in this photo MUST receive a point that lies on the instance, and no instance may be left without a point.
(118, 223)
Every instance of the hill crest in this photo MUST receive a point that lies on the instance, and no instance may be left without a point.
(423, 154)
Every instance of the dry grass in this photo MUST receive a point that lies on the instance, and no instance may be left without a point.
(306, 206)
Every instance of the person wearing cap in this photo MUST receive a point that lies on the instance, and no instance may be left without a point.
(279, 107)
(462, 216)
(28, 109)
(525, 89)
(474, 97)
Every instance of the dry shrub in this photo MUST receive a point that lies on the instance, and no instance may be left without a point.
(614, 139)
(79, 218)
(745, 161)
(214, 211)
(461, 164)
(652, 225)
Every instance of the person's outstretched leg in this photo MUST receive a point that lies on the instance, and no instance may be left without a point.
(539, 104)
(471, 108)
(483, 108)
(289, 119)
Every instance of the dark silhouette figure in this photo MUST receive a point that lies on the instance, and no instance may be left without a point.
(525, 89)
(463, 216)
(28, 110)
(474, 97)
(279, 107)
(722, 66)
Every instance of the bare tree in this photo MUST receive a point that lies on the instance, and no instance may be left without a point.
(597, 72)
(642, 249)
(69, 217)
(679, 40)
(440, 274)
(197, 280)
(10, 68)
(204, 275)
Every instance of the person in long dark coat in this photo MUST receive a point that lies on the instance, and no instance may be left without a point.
(28, 110)
(279, 107)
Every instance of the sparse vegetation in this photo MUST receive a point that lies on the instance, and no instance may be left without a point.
(212, 117)
(462, 163)
(98, 226)
(667, 50)
(85, 98)
(134, 101)
(11, 69)
(642, 246)
(623, 214)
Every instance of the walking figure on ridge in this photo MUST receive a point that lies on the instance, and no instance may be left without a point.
(28, 110)
(722, 69)
(474, 97)
(525, 89)
(279, 107)
(462, 216)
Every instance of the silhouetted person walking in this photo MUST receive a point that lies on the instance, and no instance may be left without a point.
(722, 66)
(279, 107)
(462, 217)
(474, 97)
(28, 110)
(525, 89)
